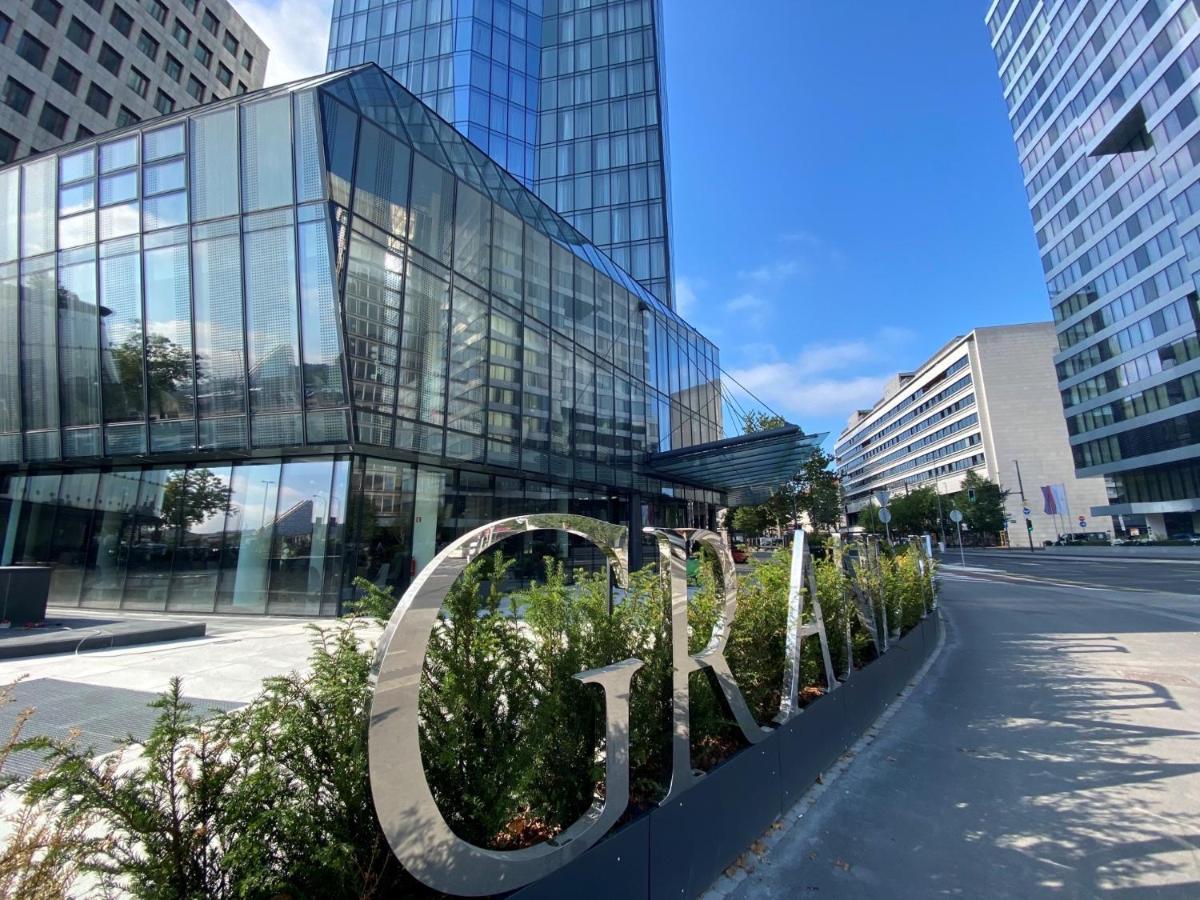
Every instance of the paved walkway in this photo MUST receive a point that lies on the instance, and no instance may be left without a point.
(1052, 749)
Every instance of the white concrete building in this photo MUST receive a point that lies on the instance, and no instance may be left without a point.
(987, 401)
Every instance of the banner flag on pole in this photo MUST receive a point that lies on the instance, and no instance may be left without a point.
(1049, 504)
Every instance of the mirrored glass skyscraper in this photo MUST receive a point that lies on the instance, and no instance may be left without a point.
(568, 95)
(1105, 109)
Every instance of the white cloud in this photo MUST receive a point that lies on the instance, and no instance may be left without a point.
(776, 272)
(787, 388)
(685, 295)
(822, 379)
(746, 303)
(297, 31)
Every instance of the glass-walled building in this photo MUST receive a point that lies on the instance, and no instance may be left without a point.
(253, 351)
(568, 95)
(1103, 99)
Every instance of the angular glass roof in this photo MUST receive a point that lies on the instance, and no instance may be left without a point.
(748, 468)
(374, 94)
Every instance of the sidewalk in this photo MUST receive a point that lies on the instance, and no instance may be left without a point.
(1050, 750)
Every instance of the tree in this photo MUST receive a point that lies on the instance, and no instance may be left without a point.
(779, 508)
(757, 420)
(986, 514)
(191, 497)
(819, 492)
(915, 512)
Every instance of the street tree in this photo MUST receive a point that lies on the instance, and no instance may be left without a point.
(986, 514)
(819, 492)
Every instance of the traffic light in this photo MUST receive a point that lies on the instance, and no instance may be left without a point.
(1029, 525)
(971, 494)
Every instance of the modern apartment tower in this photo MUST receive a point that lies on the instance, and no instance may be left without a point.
(251, 351)
(985, 402)
(568, 95)
(74, 68)
(1105, 109)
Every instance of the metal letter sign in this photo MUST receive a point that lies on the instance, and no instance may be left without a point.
(408, 813)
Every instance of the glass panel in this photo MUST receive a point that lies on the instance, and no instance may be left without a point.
(155, 533)
(472, 235)
(75, 166)
(584, 416)
(422, 390)
(432, 209)
(340, 125)
(38, 352)
(562, 292)
(169, 369)
(214, 165)
(10, 350)
(382, 509)
(373, 293)
(72, 540)
(35, 523)
(308, 148)
(468, 358)
(320, 329)
(504, 390)
(9, 194)
(121, 350)
(300, 536)
(196, 503)
(78, 331)
(37, 207)
(562, 401)
(535, 398)
(245, 573)
(266, 154)
(270, 262)
(119, 154)
(116, 500)
(585, 306)
(163, 143)
(506, 255)
(221, 377)
(537, 275)
(381, 180)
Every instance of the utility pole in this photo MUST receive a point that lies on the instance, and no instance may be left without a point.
(941, 518)
(1021, 487)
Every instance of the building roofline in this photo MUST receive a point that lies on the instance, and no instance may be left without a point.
(923, 369)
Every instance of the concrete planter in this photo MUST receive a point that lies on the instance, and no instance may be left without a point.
(680, 848)
(24, 591)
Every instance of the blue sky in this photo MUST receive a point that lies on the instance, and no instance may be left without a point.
(845, 188)
(846, 192)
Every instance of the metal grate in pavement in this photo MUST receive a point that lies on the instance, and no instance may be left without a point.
(104, 716)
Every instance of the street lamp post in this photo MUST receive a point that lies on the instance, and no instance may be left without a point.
(1021, 488)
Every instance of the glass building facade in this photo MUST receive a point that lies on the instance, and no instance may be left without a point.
(255, 350)
(568, 95)
(1105, 109)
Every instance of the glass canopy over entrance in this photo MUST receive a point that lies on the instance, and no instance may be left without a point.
(746, 468)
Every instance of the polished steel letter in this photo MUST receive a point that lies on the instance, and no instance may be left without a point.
(415, 829)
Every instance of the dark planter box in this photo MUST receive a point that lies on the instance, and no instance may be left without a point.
(24, 591)
(811, 742)
(618, 866)
(696, 836)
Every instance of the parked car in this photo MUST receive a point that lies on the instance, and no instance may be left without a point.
(740, 554)
(1189, 536)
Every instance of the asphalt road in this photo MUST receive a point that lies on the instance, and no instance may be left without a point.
(1182, 577)
(1053, 749)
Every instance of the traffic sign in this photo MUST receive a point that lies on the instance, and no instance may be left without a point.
(1082, 522)
(1027, 511)
(955, 516)
(885, 515)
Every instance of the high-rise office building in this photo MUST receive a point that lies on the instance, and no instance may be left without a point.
(251, 351)
(1104, 104)
(568, 95)
(74, 68)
